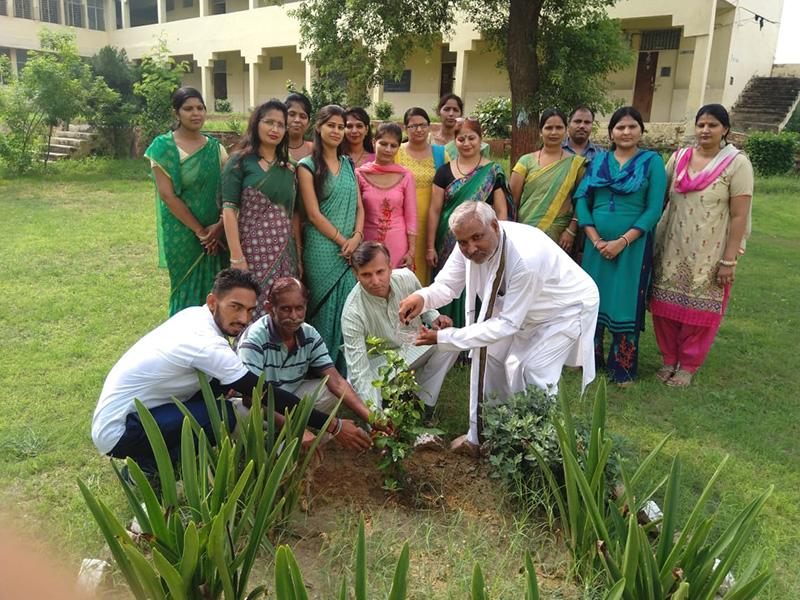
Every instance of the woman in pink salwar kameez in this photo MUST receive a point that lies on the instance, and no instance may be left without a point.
(698, 241)
(389, 195)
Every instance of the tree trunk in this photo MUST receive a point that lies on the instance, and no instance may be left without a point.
(47, 151)
(523, 74)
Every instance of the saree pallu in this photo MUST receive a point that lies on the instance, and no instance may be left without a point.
(547, 191)
(478, 186)
(327, 274)
(196, 181)
(265, 202)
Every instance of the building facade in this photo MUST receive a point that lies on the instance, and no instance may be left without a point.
(688, 52)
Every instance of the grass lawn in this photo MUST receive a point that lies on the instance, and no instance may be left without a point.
(80, 285)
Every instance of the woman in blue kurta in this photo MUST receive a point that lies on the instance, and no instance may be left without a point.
(618, 204)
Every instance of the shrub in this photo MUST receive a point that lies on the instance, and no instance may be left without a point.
(111, 116)
(384, 110)
(25, 124)
(772, 153)
(222, 105)
(495, 117)
(235, 125)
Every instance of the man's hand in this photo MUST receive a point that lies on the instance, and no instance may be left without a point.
(384, 426)
(308, 439)
(442, 322)
(426, 337)
(352, 437)
(410, 308)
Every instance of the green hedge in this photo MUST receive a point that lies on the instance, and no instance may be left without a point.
(772, 153)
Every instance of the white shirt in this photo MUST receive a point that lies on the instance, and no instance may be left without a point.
(163, 364)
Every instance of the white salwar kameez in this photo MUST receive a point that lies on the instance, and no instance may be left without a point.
(544, 315)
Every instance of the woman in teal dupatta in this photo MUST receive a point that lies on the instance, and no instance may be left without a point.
(262, 226)
(186, 167)
(334, 228)
(470, 177)
(618, 204)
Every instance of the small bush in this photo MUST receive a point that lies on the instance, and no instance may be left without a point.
(222, 105)
(772, 153)
(384, 110)
(495, 117)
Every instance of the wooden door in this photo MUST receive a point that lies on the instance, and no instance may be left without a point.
(447, 79)
(645, 83)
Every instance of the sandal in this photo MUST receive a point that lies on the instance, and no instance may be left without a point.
(624, 384)
(681, 379)
(666, 372)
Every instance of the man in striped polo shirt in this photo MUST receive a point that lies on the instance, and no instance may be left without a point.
(292, 354)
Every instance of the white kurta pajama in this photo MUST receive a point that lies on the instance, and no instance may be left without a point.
(544, 315)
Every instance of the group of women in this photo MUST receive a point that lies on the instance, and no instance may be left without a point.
(287, 206)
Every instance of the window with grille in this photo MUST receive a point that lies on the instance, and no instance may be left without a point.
(275, 63)
(663, 39)
(23, 9)
(49, 10)
(73, 10)
(403, 84)
(188, 3)
(96, 15)
(3, 8)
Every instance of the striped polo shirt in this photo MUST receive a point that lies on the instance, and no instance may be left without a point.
(262, 350)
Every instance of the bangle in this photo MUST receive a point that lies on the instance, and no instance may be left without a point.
(727, 263)
(359, 233)
(627, 243)
(597, 241)
(570, 232)
(575, 219)
(338, 429)
(336, 236)
(238, 261)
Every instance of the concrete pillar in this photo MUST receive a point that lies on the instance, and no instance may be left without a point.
(309, 74)
(110, 15)
(203, 5)
(36, 10)
(460, 84)
(126, 14)
(253, 95)
(207, 81)
(85, 13)
(162, 11)
(700, 62)
(377, 93)
(252, 4)
(12, 55)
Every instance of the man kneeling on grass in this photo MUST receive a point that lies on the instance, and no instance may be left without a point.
(164, 364)
(292, 354)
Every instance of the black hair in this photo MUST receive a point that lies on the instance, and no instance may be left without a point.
(719, 112)
(366, 252)
(389, 128)
(468, 123)
(359, 114)
(443, 100)
(182, 94)
(624, 111)
(551, 112)
(580, 108)
(325, 114)
(286, 284)
(230, 279)
(298, 98)
(250, 141)
(416, 111)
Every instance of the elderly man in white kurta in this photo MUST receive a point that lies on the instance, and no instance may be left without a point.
(538, 309)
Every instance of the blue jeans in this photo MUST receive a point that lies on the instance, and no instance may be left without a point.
(134, 442)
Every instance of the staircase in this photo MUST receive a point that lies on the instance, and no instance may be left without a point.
(71, 142)
(766, 104)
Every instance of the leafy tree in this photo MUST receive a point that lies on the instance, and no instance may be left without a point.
(556, 52)
(112, 114)
(24, 126)
(161, 76)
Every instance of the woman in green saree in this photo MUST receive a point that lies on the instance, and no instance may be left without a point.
(542, 183)
(470, 177)
(262, 226)
(334, 227)
(186, 166)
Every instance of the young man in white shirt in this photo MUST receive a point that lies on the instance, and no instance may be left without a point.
(164, 364)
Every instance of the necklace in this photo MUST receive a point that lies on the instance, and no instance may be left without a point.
(458, 167)
(269, 162)
(357, 161)
(539, 158)
(302, 143)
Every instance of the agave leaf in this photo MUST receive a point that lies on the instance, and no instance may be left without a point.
(284, 590)
(361, 562)
(155, 512)
(532, 586)
(751, 589)
(191, 554)
(400, 583)
(615, 593)
(682, 593)
(297, 579)
(630, 558)
(670, 518)
(212, 408)
(170, 575)
(166, 472)
(478, 585)
(113, 532)
(218, 555)
(145, 574)
(648, 460)
(133, 501)
(189, 467)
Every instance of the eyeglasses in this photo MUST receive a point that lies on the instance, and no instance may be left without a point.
(278, 125)
(417, 127)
